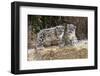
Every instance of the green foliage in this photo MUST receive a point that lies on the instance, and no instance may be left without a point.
(41, 22)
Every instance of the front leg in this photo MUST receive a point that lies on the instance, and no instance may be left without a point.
(61, 43)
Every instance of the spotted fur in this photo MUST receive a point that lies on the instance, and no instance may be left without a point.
(55, 36)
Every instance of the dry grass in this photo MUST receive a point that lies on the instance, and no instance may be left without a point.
(54, 52)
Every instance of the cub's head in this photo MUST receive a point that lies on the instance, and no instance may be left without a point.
(71, 28)
(59, 29)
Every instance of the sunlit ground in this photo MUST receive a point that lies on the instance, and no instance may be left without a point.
(79, 51)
